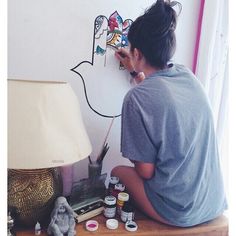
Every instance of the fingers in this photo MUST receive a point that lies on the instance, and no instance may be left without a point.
(118, 56)
(122, 53)
(124, 57)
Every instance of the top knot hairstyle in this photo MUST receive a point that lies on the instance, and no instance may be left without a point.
(153, 33)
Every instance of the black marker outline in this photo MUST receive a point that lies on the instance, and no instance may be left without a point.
(91, 63)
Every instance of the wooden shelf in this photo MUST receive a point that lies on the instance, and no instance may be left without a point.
(147, 227)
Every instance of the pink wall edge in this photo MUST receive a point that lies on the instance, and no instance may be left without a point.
(199, 29)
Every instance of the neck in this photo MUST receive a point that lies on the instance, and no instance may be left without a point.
(148, 70)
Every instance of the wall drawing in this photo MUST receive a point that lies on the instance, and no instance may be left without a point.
(103, 73)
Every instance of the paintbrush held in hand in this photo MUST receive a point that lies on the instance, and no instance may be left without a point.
(102, 154)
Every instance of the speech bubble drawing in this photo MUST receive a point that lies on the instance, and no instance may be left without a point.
(104, 79)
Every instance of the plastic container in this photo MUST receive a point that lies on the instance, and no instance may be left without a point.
(131, 226)
(122, 198)
(37, 229)
(112, 182)
(118, 189)
(112, 224)
(109, 207)
(127, 212)
(91, 225)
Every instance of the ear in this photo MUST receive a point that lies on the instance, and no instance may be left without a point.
(137, 54)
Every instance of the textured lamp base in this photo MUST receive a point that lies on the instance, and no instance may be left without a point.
(31, 194)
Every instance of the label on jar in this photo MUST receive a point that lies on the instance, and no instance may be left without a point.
(126, 216)
(109, 212)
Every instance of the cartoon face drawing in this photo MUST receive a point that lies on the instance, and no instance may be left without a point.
(104, 79)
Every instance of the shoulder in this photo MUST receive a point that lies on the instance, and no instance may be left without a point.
(137, 96)
(129, 96)
(183, 69)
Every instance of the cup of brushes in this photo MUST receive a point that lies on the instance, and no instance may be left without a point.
(95, 167)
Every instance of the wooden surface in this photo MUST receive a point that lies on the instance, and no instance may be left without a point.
(147, 227)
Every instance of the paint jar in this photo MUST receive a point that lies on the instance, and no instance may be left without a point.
(37, 229)
(112, 182)
(91, 225)
(117, 189)
(131, 226)
(122, 198)
(109, 206)
(127, 212)
(112, 224)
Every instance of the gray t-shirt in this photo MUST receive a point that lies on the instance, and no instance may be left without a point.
(167, 121)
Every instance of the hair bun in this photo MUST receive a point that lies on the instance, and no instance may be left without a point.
(153, 33)
(161, 17)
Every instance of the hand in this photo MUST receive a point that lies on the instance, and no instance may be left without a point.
(125, 58)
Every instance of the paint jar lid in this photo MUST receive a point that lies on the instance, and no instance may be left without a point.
(114, 180)
(110, 200)
(123, 196)
(91, 225)
(120, 187)
(131, 226)
(112, 224)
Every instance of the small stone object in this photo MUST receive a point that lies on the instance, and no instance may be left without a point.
(62, 219)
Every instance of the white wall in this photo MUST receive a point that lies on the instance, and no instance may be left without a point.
(47, 38)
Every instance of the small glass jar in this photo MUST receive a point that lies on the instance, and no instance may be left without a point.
(117, 189)
(37, 229)
(127, 212)
(122, 198)
(112, 182)
(10, 224)
(109, 207)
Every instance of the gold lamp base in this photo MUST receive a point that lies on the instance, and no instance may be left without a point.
(31, 194)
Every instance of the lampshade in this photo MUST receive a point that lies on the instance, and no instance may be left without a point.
(45, 127)
(45, 130)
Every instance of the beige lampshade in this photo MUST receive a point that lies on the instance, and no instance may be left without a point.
(45, 127)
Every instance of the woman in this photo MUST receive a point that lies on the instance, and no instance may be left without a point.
(167, 129)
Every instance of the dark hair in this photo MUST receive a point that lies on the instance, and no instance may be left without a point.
(153, 33)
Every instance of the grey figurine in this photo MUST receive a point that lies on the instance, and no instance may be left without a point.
(62, 219)
(10, 224)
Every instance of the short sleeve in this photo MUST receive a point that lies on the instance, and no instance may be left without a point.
(136, 143)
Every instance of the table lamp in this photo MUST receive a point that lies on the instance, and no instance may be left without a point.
(45, 131)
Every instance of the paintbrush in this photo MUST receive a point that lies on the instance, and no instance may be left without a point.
(103, 153)
(90, 161)
(104, 145)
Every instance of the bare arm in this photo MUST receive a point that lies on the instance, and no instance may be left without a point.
(144, 170)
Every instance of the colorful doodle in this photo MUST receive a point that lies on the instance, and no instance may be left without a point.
(100, 51)
(117, 31)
